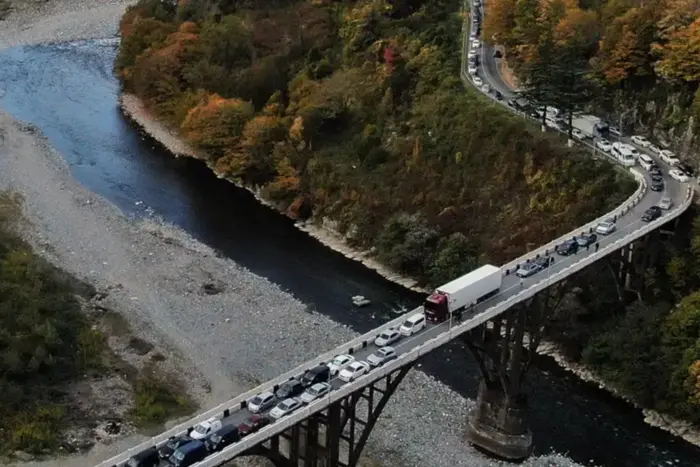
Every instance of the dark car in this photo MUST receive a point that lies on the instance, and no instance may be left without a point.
(227, 434)
(497, 54)
(252, 424)
(688, 170)
(497, 94)
(146, 458)
(291, 388)
(188, 454)
(567, 248)
(656, 185)
(651, 214)
(586, 240)
(318, 374)
(657, 178)
(173, 444)
(655, 170)
(543, 261)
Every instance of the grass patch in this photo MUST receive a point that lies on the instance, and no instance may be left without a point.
(159, 399)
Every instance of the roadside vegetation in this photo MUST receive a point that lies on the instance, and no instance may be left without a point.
(48, 342)
(634, 60)
(354, 111)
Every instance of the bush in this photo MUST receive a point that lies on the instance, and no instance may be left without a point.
(158, 400)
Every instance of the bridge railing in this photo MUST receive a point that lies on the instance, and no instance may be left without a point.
(365, 340)
(440, 339)
(616, 213)
(239, 402)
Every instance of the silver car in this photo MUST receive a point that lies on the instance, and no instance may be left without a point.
(381, 356)
(665, 204)
(387, 337)
(261, 402)
(314, 392)
(285, 407)
(606, 227)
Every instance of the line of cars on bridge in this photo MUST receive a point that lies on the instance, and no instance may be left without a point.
(214, 434)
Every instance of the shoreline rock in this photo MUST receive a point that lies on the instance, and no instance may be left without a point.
(135, 111)
(675, 426)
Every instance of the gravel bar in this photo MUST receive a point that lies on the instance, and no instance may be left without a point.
(162, 281)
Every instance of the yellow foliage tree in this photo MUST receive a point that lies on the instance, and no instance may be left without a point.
(694, 382)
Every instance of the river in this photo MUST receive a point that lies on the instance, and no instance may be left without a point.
(69, 92)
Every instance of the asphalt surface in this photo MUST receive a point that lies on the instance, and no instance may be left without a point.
(512, 285)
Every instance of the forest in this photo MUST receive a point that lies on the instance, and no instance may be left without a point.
(646, 343)
(633, 61)
(354, 111)
(614, 58)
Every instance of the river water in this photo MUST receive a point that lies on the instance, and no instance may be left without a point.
(69, 92)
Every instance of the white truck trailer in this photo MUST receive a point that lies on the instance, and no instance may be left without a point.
(470, 289)
(591, 126)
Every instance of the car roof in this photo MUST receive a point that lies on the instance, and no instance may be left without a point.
(190, 446)
(321, 384)
(266, 394)
(226, 429)
(318, 368)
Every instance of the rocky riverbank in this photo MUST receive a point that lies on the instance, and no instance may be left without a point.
(677, 427)
(135, 110)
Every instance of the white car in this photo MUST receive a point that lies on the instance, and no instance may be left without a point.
(261, 402)
(387, 337)
(486, 88)
(285, 407)
(640, 141)
(578, 134)
(665, 204)
(472, 70)
(205, 428)
(678, 175)
(604, 145)
(654, 149)
(339, 363)
(606, 227)
(476, 44)
(471, 55)
(477, 81)
(669, 157)
(353, 371)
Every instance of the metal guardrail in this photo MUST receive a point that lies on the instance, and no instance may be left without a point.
(442, 338)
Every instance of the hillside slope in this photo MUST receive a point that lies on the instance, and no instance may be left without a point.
(354, 111)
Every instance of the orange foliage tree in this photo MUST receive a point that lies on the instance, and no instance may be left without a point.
(680, 56)
(217, 123)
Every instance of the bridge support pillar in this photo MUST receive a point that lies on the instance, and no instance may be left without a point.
(498, 423)
(504, 348)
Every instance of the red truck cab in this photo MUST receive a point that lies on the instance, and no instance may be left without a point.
(436, 308)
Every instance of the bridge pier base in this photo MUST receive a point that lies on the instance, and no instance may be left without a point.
(504, 348)
(499, 423)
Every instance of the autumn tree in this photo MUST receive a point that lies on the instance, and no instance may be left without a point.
(500, 21)
(680, 55)
(217, 123)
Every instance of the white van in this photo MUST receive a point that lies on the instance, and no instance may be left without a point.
(646, 161)
(413, 324)
(622, 153)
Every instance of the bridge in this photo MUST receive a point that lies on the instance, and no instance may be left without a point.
(502, 332)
